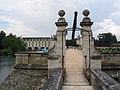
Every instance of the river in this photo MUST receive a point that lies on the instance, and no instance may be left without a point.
(6, 66)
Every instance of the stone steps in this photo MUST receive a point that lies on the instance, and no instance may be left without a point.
(74, 76)
(77, 88)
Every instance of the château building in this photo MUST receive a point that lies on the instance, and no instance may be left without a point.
(37, 43)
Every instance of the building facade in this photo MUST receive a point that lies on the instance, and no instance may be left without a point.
(37, 43)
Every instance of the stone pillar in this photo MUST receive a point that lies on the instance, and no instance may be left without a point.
(86, 38)
(61, 35)
(55, 57)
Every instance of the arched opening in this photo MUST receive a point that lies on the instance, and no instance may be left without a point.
(42, 48)
(47, 48)
(36, 49)
(29, 49)
(73, 42)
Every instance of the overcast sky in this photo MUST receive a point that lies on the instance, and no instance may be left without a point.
(38, 17)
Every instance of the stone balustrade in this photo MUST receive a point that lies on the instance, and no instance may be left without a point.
(31, 60)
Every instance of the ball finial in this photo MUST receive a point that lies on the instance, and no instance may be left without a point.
(86, 12)
(61, 13)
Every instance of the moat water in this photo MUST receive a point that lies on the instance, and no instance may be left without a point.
(6, 66)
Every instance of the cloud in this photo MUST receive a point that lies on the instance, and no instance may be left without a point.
(111, 23)
(105, 26)
(115, 14)
(116, 4)
(37, 16)
(18, 28)
(29, 15)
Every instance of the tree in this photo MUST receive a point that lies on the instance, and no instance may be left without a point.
(12, 44)
(2, 36)
(105, 39)
(71, 42)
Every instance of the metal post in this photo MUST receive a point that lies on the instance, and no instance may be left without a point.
(89, 60)
(62, 52)
(85, 63)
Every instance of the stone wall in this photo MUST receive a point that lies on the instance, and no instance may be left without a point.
(110, 59)
(101, 81)
(30, 72)
(21, 79)
(111, 65)
(38, 59)
(114, 73)
(31, 58)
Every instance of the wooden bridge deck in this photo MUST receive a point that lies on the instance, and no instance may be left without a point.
(75, 78)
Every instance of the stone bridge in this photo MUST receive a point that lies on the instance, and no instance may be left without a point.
(68, 68)
(76, 69)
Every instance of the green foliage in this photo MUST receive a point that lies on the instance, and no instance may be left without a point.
(118, 49)
(2, 36)
(11, 44)
(110, 50)
(105, 39)
(71, 42)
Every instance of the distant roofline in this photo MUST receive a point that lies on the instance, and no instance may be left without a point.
(36, 37)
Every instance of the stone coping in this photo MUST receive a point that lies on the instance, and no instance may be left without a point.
(110, 67)
(96, 57)
(110, 52)
(31, 66)
(32, 52)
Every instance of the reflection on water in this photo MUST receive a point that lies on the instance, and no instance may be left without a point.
(6, 64)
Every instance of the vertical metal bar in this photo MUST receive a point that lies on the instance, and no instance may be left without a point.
(89, 61)
(74, 25)
(85, 63)
(62, 52)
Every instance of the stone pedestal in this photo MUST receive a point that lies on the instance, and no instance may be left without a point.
(61, 34)
(56, 59)
(86, 38)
